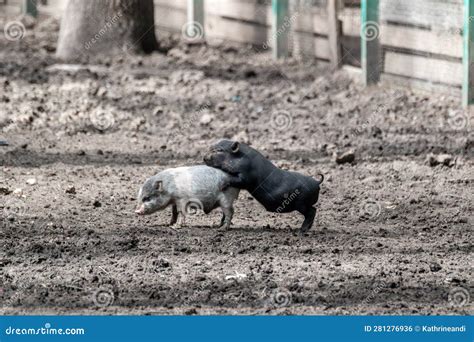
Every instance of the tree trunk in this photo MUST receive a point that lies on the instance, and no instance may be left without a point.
(106, 27)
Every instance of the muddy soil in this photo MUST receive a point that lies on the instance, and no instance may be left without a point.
(393, 233)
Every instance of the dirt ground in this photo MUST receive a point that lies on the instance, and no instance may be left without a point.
(393, 233)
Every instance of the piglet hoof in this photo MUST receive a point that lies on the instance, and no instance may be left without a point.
(173, 228)
(177, 226)
(223, 228)
(303, 232)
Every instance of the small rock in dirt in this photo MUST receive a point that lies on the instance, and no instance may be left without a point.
(81, 153)
(97, 204)
(440, 159)
(206, 119)
(452, 280)
(71, 190)
(221, 106)
(376, 131)
(250, 73)
(236, 98)
(18, 192)
(200, 278)
(158, 110)
(31, 181)
(435, 267)
(5, 262)
(5, 191)
(29, 21)
(101, 92)
(346, 157)
(161, 263)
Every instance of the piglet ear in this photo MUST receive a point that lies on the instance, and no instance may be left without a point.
(159, 186)
(235, 147)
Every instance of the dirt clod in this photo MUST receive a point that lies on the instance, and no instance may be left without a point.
(345, 157)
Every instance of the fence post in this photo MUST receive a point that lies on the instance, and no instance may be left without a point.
(370, 43)
(196, 19)
(334, 28)
(279, 31)
(468, 54)
(29, 7)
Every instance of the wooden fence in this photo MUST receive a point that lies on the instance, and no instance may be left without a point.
(417, 42)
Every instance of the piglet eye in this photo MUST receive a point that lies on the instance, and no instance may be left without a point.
(146, 199)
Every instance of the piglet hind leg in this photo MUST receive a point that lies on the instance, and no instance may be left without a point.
(309, 215)
(174, 215)
(221, 224)
(181, 221)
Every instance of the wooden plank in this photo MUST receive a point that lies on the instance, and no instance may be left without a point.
(236, 31)
(242, 32)
(302, 44)
(256, 12)
(443, 43)
(182, 4)
(316, 46)
(370, 43)
(248, 11)
(170, 19)
(448, 42)
(280, 28)
(468, 55)
(437, 14)
(10, 10)
(334, 36)
(350, 17)
(423, 68)
(419, 85)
